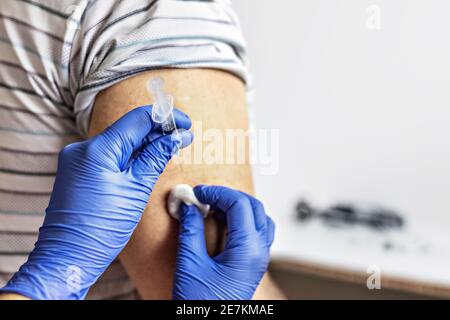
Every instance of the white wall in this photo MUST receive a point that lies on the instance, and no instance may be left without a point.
(366, 112)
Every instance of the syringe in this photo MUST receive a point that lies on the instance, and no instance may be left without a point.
(163, 106)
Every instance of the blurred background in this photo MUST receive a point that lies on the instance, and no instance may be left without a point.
(360, 91)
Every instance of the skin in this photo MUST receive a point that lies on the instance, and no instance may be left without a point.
(218, 100)
(11, 296)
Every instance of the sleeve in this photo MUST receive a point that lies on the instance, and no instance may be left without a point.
(120, 39)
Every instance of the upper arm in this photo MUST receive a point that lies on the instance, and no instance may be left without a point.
(215, 100)
(216, 103)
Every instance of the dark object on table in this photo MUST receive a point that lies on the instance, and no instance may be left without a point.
(375, 217)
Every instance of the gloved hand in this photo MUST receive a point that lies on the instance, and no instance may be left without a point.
(101, 189)
(235, 273)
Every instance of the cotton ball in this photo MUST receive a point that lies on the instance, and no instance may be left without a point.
(184, 193)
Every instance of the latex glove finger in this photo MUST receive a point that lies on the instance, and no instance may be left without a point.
(234, 204)
(192, 231)
(128, 134)
(155, 156)
(258, 211)
(270, 231)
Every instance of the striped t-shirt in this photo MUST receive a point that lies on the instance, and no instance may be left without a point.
(55, 56)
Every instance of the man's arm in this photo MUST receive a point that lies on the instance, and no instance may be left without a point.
(216, 100)
(12, 296)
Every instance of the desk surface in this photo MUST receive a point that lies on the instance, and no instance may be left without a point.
(411, 259)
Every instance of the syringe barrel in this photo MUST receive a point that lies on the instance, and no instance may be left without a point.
(163, 104)
(156, 87)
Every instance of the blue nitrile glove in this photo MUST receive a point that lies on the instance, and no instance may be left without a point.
(101, 189)
(235, 273)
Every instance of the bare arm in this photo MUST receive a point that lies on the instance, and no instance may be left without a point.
(12, 296)
(215, 98)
